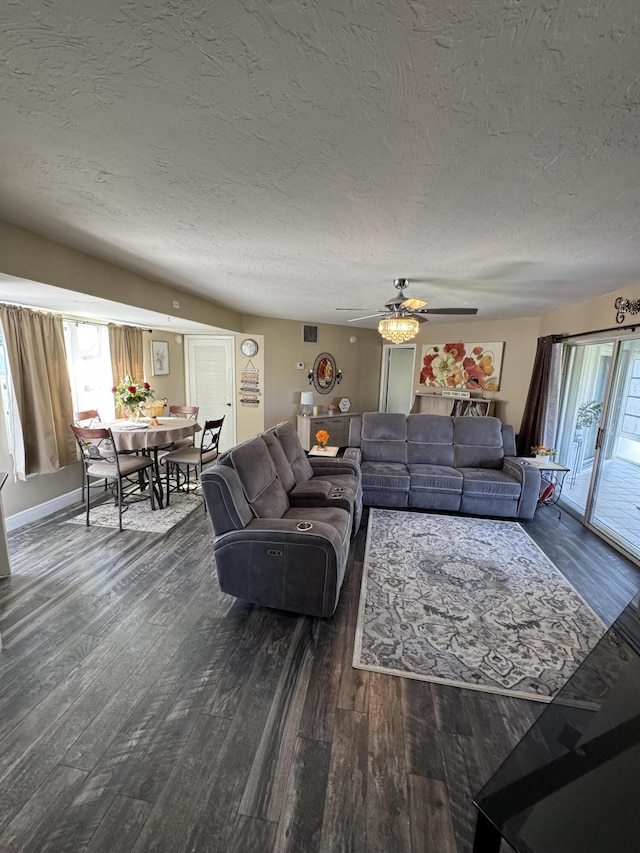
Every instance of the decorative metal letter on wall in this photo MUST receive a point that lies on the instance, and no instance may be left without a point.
(626, 306)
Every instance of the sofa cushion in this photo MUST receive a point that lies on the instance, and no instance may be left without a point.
(486, 482)
(385, 475)
(282, 464)
(478, 442)
(289, 439)
(384, 437)
(430, 440)
(439, 478)
(257, 474)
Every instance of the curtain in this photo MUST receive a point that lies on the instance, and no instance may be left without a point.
(38, 364)
(539, 417)
(125, 343)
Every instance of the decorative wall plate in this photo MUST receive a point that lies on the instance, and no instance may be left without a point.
(345, 404)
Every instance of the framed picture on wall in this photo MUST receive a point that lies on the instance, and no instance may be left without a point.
(160, 358)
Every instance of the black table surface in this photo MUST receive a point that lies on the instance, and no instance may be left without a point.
(572, 784)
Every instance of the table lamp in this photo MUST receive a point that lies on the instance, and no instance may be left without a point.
(306, 401)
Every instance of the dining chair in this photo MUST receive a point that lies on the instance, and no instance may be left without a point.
(190, 412)
(100, 459)
(87, 418)
(192, 457)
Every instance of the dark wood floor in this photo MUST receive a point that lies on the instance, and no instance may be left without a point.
(143, 710)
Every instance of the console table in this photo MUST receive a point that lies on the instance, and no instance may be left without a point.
(571, 784)
(336, 425)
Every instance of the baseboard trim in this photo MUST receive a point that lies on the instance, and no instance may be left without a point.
(36, 513)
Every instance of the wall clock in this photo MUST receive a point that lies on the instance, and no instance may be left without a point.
(249, 347)
(345, 404)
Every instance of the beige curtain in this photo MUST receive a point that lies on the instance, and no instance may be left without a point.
(125, 343)
(38, 363)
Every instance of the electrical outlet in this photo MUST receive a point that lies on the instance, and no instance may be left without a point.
(300, 365)
(176, 304)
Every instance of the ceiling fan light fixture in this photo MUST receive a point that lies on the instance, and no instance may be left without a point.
(398, 329)
(412, 304)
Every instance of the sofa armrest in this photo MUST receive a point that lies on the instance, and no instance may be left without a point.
(354, 454)
(225, 499)
(275, 563)
(312, 488)
(528, 476)
(328, 467)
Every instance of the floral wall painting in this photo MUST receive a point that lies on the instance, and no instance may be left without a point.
(475, 367)
(160, 358)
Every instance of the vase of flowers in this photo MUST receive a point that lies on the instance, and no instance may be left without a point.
(128, 394)
(543, 453)
(322, 437)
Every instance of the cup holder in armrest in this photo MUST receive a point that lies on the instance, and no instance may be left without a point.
(337, 495)
(303, 526)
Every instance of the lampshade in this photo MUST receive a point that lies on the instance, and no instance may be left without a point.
(398, 329)
(306, 398)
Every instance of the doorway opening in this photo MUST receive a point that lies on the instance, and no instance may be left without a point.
(396, 380)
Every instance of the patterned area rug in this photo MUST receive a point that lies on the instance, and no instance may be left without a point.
(470, 603)
(139, 516)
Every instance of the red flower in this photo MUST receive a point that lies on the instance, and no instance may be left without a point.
(146, 386)
(114, 389)
(475, 376)
(426, 374)
(456, 350)
(132, 389)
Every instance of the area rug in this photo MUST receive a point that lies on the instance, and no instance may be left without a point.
(468, 602)
(139, 516)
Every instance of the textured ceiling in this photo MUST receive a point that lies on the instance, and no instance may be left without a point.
(285, 156)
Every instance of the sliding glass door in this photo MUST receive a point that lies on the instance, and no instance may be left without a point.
(599, 437)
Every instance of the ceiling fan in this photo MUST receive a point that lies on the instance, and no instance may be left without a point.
(402, 315)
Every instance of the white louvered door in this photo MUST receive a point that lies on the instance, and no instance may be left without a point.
(210, 381)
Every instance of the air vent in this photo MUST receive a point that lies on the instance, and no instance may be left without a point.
(310, 334)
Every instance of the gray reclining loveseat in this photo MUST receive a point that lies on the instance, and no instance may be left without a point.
(283, 523)
(464, 464)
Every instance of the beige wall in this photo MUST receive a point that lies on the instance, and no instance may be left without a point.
(284, 348)
(27, 255)
(588, 316)
(520, 338)
(170, 386)
(249, 420)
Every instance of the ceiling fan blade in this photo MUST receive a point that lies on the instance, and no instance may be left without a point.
(446, 311)
(368, 316)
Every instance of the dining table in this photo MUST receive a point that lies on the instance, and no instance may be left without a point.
(131, 436)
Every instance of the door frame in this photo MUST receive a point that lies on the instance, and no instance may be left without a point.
(387, 349)
(608, 422)
(230, 413)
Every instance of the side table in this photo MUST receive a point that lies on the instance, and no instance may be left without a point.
(552, 480)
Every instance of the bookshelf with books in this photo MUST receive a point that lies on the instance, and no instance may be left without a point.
(426, 402)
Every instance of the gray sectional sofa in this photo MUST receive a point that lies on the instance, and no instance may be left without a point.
(464, 464)
(282, 522)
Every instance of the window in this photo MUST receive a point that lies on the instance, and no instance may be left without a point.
(90, 372)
